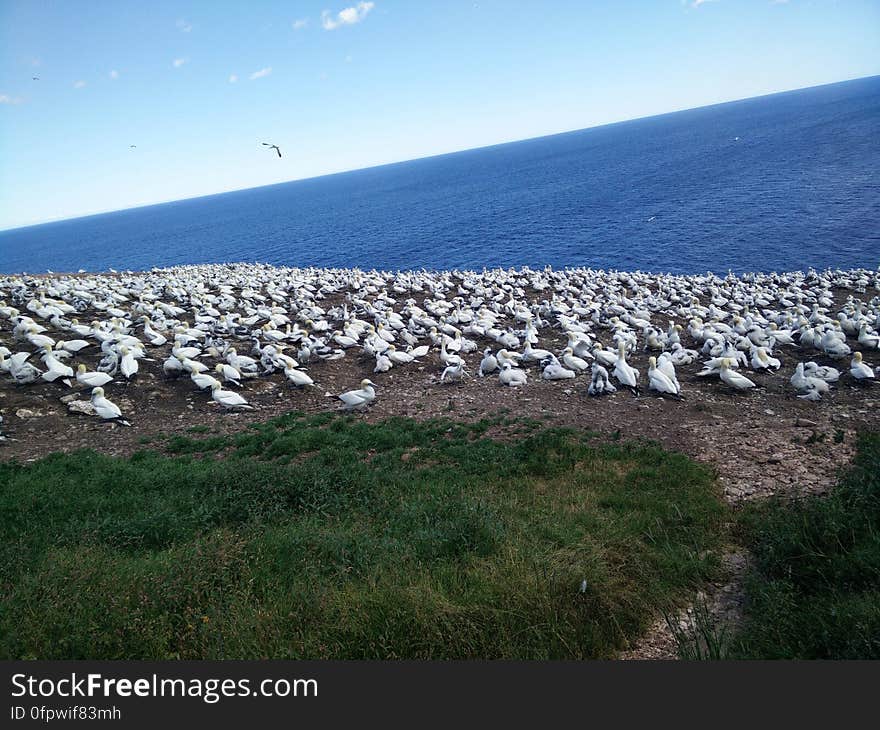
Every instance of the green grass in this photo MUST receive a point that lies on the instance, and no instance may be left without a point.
(815, 590)
(326, 537)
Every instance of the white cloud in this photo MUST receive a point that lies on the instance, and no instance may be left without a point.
(348, 59)
(184, 26)
(300, 24)
(178, 62)
(5, 99)
(261, 73)
(233, 78)
(348, 16)
(114, 74)
(79, 84)
(697, 3)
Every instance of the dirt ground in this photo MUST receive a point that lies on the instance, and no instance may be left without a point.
(763, 442)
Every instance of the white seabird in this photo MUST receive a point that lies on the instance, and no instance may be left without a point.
(106, 409)
(360, 397)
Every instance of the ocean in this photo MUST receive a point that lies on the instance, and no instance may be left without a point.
(775, 183)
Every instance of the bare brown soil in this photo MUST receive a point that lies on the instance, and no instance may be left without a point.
(762, 443)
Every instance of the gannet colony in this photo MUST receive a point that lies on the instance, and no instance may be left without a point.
(225, 327)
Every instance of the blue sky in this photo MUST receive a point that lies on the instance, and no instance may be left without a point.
(196, 86)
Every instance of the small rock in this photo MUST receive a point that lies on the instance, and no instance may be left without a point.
(68, 398)
(26, 413)
(775, 459)
(770, 412)
(805, 423)
(81, 406)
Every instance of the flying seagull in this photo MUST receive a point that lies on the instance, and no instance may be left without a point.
(132, 146)
(273, 147)
(35, 78)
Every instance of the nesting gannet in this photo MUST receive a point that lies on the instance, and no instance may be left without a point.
(105, 409)
(383, 364)
(446, 356)
(182, 352)
(604, 356)
(489, 364)
(243, 363)
(398, 357)
(666, 366)
(298, 377)
(579, 343)
(600, 383)
(453, 373)
(344, 341)
(860, 370)
(155, 338)
(128, 365)
(534, 354)
(573, 362)
(834, 343)
(193, 366)
(823, 372)
(762, 361)
(733, 378)
(228, 373)
(659, 381)
(172, 367)
(55, 368)
(22, 372)
(512, 376)
(625, 374)
(229, 399)
(804, 383)
(504, 356)
(91, 379)
(871, 340)
(360, 397)
(782, 336)
(203, 380)
(554, 370)
(73, 346)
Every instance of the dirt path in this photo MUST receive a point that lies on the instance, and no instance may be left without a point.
(799, 458)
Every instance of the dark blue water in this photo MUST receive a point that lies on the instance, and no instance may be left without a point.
(781, 182)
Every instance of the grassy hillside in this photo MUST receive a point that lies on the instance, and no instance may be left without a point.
(325, 537)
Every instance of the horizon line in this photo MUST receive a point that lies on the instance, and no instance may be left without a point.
(501, 143)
